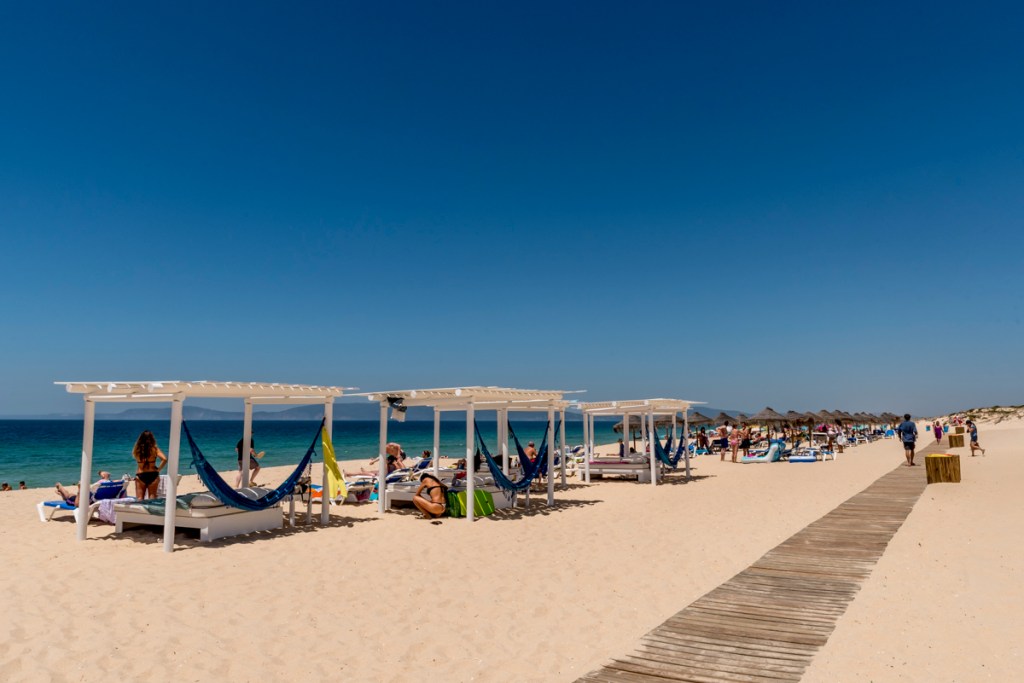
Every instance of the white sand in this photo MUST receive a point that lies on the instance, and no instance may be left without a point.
(542, 597)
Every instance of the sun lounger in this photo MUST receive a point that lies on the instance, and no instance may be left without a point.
(105, 491)
(202, 511)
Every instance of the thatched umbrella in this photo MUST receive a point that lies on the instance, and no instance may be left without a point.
(793, 417)
(844, 416)
(637, 422)
(742, 417)
(826, 416)
(696, 419)
(724, 417)
(768, 417)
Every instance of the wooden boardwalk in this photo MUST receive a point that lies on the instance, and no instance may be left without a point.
(765, 624)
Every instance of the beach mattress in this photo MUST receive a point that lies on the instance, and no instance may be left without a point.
(802, 458)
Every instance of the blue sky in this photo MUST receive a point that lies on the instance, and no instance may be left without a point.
(790, 204)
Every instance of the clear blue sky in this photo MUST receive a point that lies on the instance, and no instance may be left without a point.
(792, 204)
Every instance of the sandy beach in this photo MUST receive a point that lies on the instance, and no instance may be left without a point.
(541, 595)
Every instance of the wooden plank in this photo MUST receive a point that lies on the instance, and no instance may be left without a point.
(765, 624)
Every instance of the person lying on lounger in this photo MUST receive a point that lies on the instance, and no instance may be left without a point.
(431, 497)
(71, 498)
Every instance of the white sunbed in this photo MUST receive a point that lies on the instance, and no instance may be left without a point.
(204, 512)
(638, 467)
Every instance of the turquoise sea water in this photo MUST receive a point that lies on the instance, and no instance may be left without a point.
(41, 452)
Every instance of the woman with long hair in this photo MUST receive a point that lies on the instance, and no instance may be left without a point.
(431, 497)
(147, 475)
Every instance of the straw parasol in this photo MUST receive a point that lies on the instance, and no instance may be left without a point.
(844, 416)
(742, 417)
(826, 416)
(724, 417)
(768, 416)
(793, 417)
(637, 422)
(697, 419)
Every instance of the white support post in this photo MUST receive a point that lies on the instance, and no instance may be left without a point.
(626, 441)
(686, 443)
(436, 453)
(561, 439)
(173, 455)
(325, 492)
(470, 473)
(586, 447)
(85, 474)
(246, 440)
(503, 438)
(551, 456)
(650, 438)
(382, 462)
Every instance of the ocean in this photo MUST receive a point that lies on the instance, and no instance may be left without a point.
(41, 452)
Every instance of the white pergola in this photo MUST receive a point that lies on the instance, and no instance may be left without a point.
(469, 400)
(175, 393)
(648, 409)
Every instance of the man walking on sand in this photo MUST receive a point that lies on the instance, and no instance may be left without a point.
(908, 435)
(973, 429)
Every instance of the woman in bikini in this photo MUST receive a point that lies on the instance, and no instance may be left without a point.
(431, 497)
(147, 476)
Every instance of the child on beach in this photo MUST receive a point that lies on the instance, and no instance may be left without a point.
(973, 428)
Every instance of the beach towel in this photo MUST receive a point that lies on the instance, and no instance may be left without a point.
(335, 482)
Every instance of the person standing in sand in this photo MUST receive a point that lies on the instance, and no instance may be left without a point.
(254, 465)
(745, 440)
(908, 435)
(147, 474)
(723, 439)
(973, 429)
(937, 428)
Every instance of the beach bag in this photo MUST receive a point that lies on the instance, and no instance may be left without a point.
(483, 503)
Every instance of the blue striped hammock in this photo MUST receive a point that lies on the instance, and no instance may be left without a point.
(664, 453)
(530, 469)
(226, 494)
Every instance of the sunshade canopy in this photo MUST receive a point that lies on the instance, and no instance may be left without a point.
(767, 415)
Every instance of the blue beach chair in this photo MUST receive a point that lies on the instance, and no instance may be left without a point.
(108, 490)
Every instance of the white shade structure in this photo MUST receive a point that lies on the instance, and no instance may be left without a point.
(470, 400)
(648, 409)
(175, 392)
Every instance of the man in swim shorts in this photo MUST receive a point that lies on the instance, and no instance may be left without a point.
(974, 438)
(908, 435)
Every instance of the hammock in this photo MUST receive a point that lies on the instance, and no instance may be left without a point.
(530, 469)
(539, 466)
(229, 496)
(662, 452)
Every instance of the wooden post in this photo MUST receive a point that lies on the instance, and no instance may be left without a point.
(956, 440)
(942, 468)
